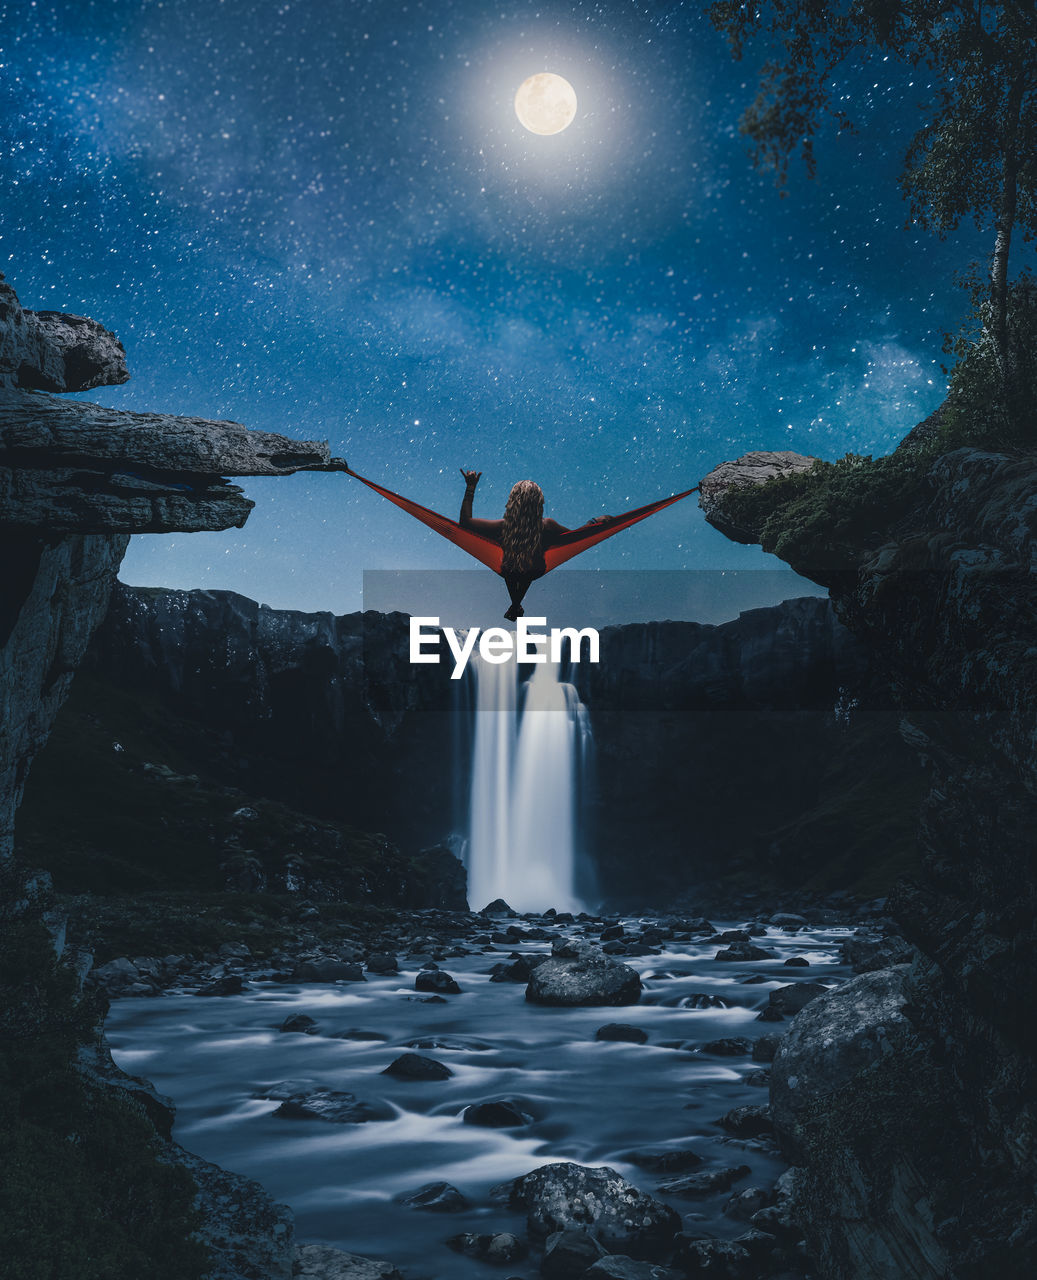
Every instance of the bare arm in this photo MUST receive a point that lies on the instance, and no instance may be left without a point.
(491, 528)
(552, 532)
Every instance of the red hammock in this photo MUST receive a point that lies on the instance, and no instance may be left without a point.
(490, 553)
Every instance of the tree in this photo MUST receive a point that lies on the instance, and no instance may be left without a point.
(975, 154)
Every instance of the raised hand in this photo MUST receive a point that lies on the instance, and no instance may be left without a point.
(471, 478)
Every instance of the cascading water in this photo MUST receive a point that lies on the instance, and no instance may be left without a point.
(531, 746)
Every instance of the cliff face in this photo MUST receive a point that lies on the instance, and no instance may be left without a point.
(75, 480)
(935, 1141)
(327, 714)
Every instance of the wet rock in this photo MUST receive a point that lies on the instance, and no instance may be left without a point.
(498, 1250)
(869, 954)
(728, 1046)
(437, 980)
(466, 1044)
(356, 1033)
(732, 935)
(415, 1066)
(588, 978)
(787, 920)
(765, 1048)
(569, 1253)
(701, 1000)
(717, 1259)
(770, 1014)
(558, 1197)
(759, 1079)
(619, 1267)
(666, 1161)
(300, 1101)
(321, 1262)
(612, 932)
(696, 1185)
(745, 1204)
(622, 1031)
(231, 985)
(795, 996)
(518, 970)
(797, 962)
(436, 1197)
(300, 1022)
(498, 1113)
(498, 907)
(382, 962)
(744, 951)
(327, 971)
(748, 1122)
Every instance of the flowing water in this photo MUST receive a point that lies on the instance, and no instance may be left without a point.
(592, 1102)
(529, 756)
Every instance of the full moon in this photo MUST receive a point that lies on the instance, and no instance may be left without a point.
(545, 103)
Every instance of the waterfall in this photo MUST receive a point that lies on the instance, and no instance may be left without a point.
(529, 756)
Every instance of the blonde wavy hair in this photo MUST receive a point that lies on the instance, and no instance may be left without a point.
(522, 528)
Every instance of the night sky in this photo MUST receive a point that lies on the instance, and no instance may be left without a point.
(323, 218)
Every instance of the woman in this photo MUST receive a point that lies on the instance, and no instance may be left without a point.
(524, 535)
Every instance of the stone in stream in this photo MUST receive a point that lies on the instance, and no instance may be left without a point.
(584, 978)
(436, 980)
(728, 1046)
(619, 1267)
(748, 1122)
(622, 1031)
(438, 1197)
(415, 1066)
(356, 1033)
(519, 970)
(743, 1205)
(560, 1196)
(321, 1262)
(383, 962)
(797, 962)
(569, 1253)
(324, 970)
(300, 1101)
(229, 986)
(709, 1183)
(674, 1161)
(765, 1048)
(466, 1044)
(786, 920)
(498, 1113)
(718, 1259)
(300, 1022)
(498, 907)
(796, 996)
(611, 932)
(498, 1249)
(744, 951)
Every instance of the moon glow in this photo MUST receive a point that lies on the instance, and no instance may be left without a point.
(545, 103)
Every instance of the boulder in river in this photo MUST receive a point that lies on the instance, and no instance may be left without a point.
(322, 1262)
(498, 907)
(415, 1066)
(675, 1160)
(569, 1253)
(728, 1046)
(558, 1197)
(748, 1122)
(744, 951)
(325, 970)
(499, 1249)
(437, 980)
(383, 962)
(498, 1113)
(301, 1101)
(437, 1197)
(718, 1259)
(622, 1031)
(618, 1266)
(231, 985)
(708, 1183)
(796, 996)
(300, 1022)
(588, 978)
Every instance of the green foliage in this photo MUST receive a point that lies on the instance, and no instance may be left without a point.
(83, 1195)
(978, 411)
(819, 519)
